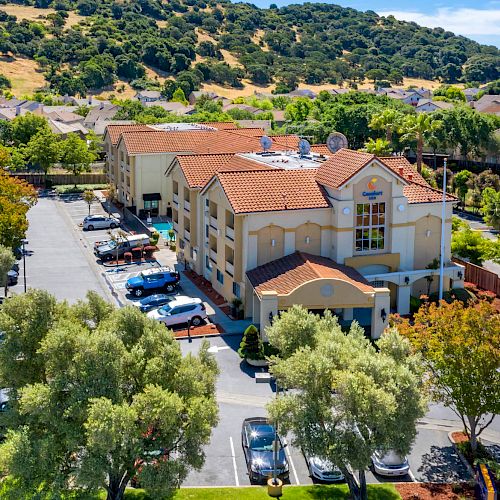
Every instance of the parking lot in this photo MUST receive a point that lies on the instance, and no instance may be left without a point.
(60, 259)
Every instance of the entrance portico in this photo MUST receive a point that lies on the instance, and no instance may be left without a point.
(317, 283)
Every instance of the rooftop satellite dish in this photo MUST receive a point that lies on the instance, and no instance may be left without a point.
(336, 141)
(266, 142)
(304, 147)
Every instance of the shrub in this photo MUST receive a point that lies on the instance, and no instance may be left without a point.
(487, 295)
(155, 236)
(472, 287)
(251, 346)
(415, 304)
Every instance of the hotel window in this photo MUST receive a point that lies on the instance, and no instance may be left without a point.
(236, 289)
(220, 277)
(151, 204)
(370, 226)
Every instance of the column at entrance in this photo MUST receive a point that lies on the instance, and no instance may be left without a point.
(403, 305)
(268, 311)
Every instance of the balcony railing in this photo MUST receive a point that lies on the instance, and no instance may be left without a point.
(187, 235)
(230, 233)
(213, 223)
(187, 206)
(230, 268)
(176, 199)
(213, 255)
(176, 227)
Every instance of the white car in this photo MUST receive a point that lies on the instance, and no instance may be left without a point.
(92, 222)
(390, 464)
(181, 310)
(322, 469)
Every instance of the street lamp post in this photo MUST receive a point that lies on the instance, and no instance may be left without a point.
(24, 242)
(443, 222)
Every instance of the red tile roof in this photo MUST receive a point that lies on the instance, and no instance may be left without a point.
(272, 190)
(199, 169)
(115, 131)
(404, 168)
(341, 166)
(417, 193)
(321, 149)
(287, 141)
(286, 274)
(249, 132)
(221, 125)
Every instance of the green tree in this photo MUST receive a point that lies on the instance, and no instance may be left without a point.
(378, 147)
(24, 127)
(298, 110)
(89, 197)
(100, 396)
(417, 129)
(388, 121)
(460, 349)
(179, 96)
(251, 344)
(43, 150)
(469, 244)
(347, 398)
(461, 182)
(7, 260)
(76, 156)
(490, 207)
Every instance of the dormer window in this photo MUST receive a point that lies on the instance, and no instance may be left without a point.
(370, 226)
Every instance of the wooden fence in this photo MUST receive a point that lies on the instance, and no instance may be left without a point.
(480, 276)
(60, 179)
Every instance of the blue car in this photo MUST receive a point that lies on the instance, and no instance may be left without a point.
(154, 301)
(154, 280)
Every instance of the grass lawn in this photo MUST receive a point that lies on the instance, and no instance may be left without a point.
(340, 492)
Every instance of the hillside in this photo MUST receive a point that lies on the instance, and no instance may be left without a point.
(77, 46)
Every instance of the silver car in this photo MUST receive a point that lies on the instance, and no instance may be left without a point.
(92, 222)
(322, 469)
(390, 463)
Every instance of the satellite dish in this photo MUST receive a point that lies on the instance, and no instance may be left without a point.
(266, 142)
(336, 141)
(304, 147)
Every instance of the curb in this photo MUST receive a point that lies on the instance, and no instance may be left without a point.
(111, 264)
(208, 335)
(460, 456)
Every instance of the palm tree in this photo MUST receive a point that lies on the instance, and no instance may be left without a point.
(388, 120)
(419, 129)
(378, 147)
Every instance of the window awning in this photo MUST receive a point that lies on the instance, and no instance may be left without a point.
(151, 196)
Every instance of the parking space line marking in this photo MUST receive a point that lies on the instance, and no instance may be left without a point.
(411, 476)
(287, 451)
(237, 481)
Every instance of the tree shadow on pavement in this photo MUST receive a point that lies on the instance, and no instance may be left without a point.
(442, 465)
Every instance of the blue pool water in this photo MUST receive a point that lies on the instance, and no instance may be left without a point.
(163, 228)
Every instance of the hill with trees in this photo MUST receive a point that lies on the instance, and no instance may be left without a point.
(198, 41)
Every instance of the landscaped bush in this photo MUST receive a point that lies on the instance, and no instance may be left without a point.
(251, 345)
(460, 294)
(79, 188)
(487, 295)
(415, 304)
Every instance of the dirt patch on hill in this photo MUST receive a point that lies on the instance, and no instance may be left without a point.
(33, 14)
(23, 73)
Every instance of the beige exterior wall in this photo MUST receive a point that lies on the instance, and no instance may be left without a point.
(112, 165)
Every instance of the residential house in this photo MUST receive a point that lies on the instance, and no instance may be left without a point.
(261, 124)
(145, 96)
(471, 93)
(428, 105)
(196, 94)
(176, 108)
(353, 233)
(100, 113)
(488, 104)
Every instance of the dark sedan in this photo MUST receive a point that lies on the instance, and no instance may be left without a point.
(257, 437)
(154, 301)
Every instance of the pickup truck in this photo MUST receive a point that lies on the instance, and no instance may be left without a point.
(112, 249)
(153, 280)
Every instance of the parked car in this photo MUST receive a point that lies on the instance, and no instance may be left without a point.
(154, 301)
(12, 277)
(153, 280)
(181, 310)
(390, 464)
(92, 222)
(112, 249)
(322, 469)
(257, 437)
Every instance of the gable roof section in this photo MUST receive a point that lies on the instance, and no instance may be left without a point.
(286, 274)
(115, 131)
(249, 131)
(272, 190)
(417, 193)
(403, 168)
(321, 149)
(341, 166)
(220, 125)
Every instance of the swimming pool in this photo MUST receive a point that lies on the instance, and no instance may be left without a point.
(163, 228)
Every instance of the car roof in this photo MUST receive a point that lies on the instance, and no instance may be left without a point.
(181, 300)
(156, 270)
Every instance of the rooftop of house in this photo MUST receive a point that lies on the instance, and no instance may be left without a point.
(153, 94)
(288, 160)
(488, 104)
(438, 104)
(286, 274)
(115, 130)
(179, 127)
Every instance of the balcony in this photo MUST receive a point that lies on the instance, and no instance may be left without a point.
(176, 227)
(176, 199)
(213, 255)
(213, 223)
(187, 206)
(229, 268)
(230, 233)
(187, 235)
